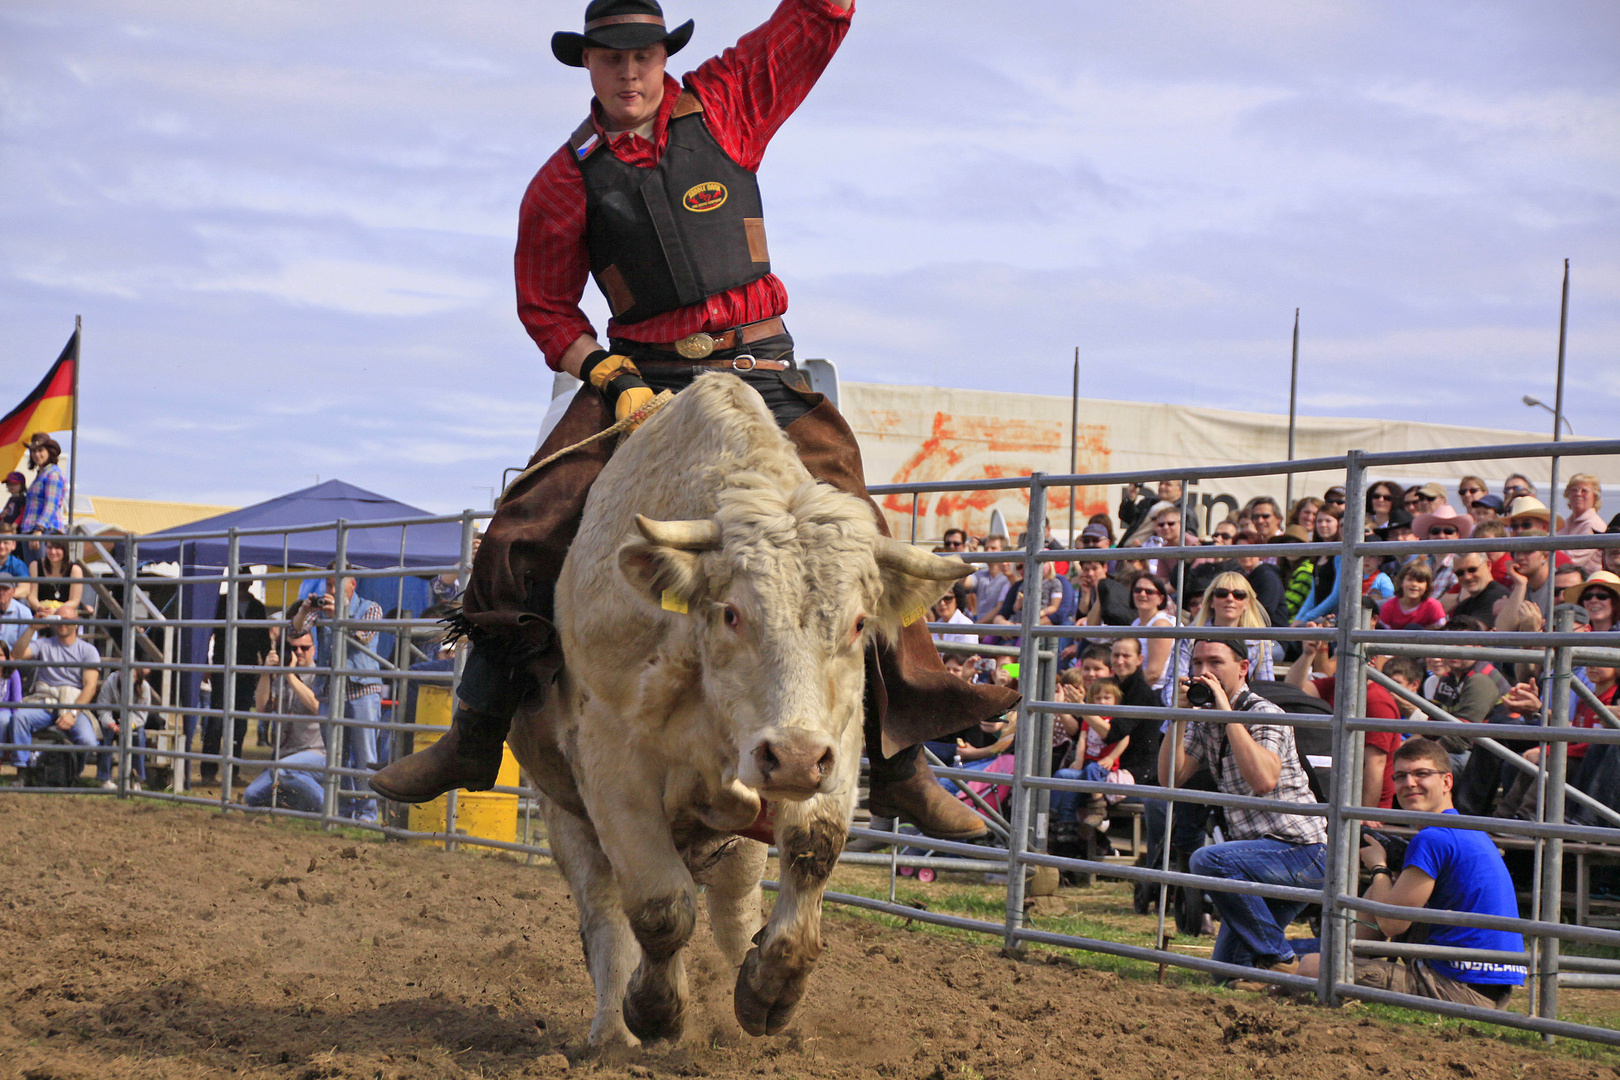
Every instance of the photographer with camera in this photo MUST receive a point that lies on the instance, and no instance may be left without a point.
(1272, 847)
(1445, 869)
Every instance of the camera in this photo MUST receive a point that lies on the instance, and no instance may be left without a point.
(984, 664)
(1199, 695)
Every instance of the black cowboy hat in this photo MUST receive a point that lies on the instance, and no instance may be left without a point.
(619, 24)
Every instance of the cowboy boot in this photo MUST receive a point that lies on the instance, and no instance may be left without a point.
(905, 787)
(469, 754)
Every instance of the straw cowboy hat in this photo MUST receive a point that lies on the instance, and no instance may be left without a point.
(1604, 578)
(619, 24)
(1528, 506)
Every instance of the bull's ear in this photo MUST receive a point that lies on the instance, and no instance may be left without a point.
(912, 580)
(664, 576)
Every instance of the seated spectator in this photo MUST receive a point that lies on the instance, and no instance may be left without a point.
(1431, 499)
(1250, 757)
(1135, 505)
(1410, 500)
(11, 564)
(1384, 504)
(1517, 486)
(1224, 533)
(1526, 513)
(1377, 786)
(55, 562)
(1485, 508)
(1525, 609)
(110, 695)
(1447, 870)
(14, 613)
(300, 748)
(1167, 532)
(1150, 596)
(1228, 601)
(1471, 690)
(1585, 494)
(1268, 584)
(1519, 801)
(69, 679)
(948, 610)
(1304, 513)
(1265, 516)
(1099, 600)
(1599, 597)
(1413, 607)
(989, 583)
(16, 501)
(1498, 560)
(11, 697)
(1476, 593)
(1470, 488)
(1333, 500)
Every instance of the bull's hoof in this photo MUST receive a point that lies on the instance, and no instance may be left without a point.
(654, 1010)
(766, 1000)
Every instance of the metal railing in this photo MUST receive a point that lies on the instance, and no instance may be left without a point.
(1556, 650)
(143, 633)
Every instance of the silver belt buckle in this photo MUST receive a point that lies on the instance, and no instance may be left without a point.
(738, 365)
(695, 346)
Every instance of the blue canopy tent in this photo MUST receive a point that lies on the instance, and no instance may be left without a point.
(435, 544)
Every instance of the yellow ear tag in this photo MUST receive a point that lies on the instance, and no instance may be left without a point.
(914, 614)
(672, 602)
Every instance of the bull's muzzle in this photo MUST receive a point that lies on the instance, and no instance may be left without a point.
(791, 764)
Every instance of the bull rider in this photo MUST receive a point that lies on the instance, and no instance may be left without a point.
(655, 196)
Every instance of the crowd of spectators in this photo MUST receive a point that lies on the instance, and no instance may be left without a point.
(1256, 583)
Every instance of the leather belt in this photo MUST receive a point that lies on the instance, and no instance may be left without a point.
(696, 347)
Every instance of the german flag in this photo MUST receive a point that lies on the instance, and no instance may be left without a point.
(48, 408)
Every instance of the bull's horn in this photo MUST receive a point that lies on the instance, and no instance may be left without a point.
(894, 555)
(697, 534)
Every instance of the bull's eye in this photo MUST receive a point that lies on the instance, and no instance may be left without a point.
(731, 616)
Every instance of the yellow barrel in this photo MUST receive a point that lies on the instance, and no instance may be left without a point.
(489, 815)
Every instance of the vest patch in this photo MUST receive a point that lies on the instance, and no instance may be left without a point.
(701, 198)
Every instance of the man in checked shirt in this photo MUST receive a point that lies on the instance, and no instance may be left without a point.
(655, 196)
(1273, 847)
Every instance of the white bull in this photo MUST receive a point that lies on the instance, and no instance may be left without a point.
(714, 611)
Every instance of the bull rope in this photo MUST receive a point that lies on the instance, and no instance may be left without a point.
(628, 423)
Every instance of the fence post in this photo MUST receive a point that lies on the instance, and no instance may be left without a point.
(1556, 757)
(1340, 873)
(227, 696)
(1029, 682)
(126, 690)
(336, 685)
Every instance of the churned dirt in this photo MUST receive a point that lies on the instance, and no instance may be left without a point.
(145, 940)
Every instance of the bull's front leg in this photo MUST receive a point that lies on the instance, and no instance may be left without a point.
(658, 894)
(809, 837)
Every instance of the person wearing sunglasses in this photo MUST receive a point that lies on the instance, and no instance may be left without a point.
(1384, 499)
(290, 782)
(1445, 869)
(1517, 486)
(1476, 593)
(1228, 601)
(1470, 488)
(1150, 595)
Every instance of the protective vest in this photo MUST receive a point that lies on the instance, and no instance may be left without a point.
(665, 238)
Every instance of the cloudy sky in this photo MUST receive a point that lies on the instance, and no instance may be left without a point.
(288, 226)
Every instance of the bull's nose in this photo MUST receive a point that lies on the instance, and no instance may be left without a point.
(795, 763)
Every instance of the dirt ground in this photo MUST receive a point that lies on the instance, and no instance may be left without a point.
(144, 940)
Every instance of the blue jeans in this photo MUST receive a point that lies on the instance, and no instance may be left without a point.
(360, 752)
(1252, 926)
(1066, 804)
(104, 760)
(25, 722)
(287, 785)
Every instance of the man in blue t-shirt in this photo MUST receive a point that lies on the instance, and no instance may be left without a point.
(1448, 869)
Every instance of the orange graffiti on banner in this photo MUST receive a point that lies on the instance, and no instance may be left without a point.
(955, 450)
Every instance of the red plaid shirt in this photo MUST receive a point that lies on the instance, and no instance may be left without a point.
(747, 92)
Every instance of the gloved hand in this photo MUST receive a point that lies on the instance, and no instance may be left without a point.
(615, 377)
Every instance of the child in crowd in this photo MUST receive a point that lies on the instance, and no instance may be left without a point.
(1414, 606)
(1374, 582)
